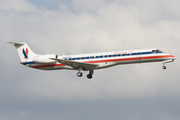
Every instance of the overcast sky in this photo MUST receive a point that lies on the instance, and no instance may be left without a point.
(128, 92)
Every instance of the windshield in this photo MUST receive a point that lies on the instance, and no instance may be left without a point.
(156, 51)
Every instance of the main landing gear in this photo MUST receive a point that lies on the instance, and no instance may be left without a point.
(80, 74)
(90, 74)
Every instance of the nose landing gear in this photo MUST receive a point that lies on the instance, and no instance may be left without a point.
(164, 67)
(167, 61)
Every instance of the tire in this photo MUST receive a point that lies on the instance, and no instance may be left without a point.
(164, 67)
(79, 74)
(89, 76)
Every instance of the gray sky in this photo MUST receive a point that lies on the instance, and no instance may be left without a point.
(138, 92)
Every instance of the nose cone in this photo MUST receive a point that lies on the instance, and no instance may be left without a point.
(173, 57)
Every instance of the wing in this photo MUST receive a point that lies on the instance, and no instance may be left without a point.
(75, 64)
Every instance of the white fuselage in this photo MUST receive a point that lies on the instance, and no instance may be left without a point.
(104, 60)
(88, 62)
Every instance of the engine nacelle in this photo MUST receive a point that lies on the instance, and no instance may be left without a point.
(44, 59)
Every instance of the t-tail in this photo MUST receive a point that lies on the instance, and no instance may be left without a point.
(25, 53)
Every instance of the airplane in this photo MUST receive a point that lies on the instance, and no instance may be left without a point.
(89, 62)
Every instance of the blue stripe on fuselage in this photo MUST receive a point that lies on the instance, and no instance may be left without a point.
(139, 53)
(26, 63)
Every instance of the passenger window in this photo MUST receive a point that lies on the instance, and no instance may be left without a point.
(69, 58)
(100, 56)
(114, 55)
(110, 55)
(105, 56)
(119, 55)
(82, 58)
(96, 56)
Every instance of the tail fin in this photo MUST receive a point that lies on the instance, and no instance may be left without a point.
(25, 53)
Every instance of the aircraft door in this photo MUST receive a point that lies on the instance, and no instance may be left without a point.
(155, 55)
(90, 58)
(138, 56)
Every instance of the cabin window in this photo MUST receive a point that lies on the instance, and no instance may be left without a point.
(87, 58)
(69, 58)
(119, 55)
(110, 55)
(82, 58)
(105, 56)
(114, 55)
(100, 56)
(97, 56)
(133, 54)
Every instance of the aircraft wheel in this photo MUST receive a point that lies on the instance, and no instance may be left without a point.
(164, 67)
(79, 74)
(89, 76)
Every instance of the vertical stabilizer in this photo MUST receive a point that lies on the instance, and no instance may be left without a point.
(25, 53)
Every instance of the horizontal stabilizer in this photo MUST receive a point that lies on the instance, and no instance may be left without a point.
(16, 44)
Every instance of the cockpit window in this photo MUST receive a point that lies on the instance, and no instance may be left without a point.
(158, 51)
(153, 51)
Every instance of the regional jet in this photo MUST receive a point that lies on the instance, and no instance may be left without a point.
(89, 62)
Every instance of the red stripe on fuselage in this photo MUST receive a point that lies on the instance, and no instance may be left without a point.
(52, 65)
(128, 59)
(109, 60)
